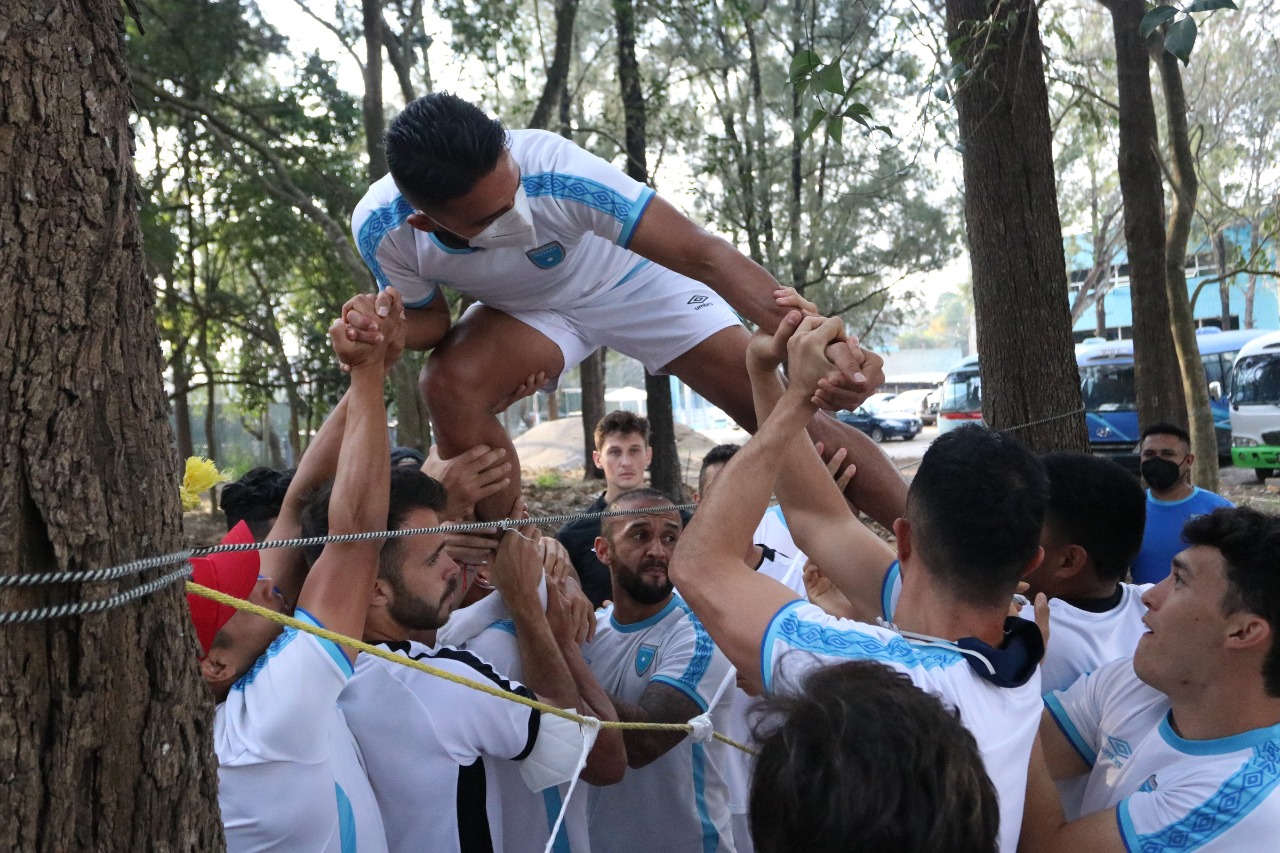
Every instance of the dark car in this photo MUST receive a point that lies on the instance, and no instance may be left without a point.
(882, 426)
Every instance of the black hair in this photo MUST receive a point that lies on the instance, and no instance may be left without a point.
(862, 759)
(439, 146)
(976, 507)
(255, 499)
(410, 490)
(1166, 428)
(1098, 505)
(1250, 544)
(718, 455)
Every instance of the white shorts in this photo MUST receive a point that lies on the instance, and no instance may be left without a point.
(653, 315)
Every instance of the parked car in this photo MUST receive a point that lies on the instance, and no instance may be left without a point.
(882, 426)
(918, 403)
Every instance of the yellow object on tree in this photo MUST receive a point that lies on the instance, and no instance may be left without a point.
(201, 476)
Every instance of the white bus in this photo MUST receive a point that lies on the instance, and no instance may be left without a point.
(1255, 406)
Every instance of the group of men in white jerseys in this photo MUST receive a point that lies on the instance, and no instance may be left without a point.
(1161, 704)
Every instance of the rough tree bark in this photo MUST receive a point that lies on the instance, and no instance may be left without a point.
(1030, 382)
(1185, 186)
(664, 471)
(1155, 359)
(105, 726)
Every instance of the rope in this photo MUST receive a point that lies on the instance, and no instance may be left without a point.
(137, 566)
(79, 608)
(379, 652)
(1047, 420)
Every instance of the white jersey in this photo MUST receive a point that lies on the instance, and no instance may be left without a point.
(289, 776)
(1169, 793)
(677, 803)
(526, 818)
(1080, 641)
(424, 739)
(584, 212)
(737, 765)
(773, 532)
(1003, 720)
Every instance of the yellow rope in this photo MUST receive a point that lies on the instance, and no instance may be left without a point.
(376, 651)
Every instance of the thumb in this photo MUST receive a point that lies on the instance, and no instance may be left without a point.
(1042, 616)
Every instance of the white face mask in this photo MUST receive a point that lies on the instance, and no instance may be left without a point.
(511, 230)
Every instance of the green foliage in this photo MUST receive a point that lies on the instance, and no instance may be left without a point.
(1179, 32)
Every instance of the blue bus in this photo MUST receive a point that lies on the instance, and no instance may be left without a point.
(1107, 389)
(1111, 403)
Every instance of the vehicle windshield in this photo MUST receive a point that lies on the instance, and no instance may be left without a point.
(961, 392)
(1257, 380)
(1108, 388)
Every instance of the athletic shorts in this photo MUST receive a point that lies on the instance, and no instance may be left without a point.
(653, 315)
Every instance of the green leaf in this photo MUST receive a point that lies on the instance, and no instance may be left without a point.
(1209, 6)
(835, 128)
(885, 128)
(1180, 38)
(858, 111)
(830, 78)
(1153, 19)
(803, 64)
(818, 116)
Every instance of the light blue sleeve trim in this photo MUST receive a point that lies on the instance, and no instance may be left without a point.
(380, 222)
(422, 303)
(637, 210)
(1128, 834)
(505, 625)
(766, 646)
(683, 688)
(335, 651)
(886, 590)
(1060, 716)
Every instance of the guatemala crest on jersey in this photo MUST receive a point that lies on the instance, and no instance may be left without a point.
(546, 257)
(644, 658)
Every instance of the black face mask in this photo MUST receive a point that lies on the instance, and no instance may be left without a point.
(1160, 474)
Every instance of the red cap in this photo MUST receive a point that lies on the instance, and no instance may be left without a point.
(231, 572)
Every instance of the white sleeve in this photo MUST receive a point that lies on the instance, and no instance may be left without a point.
(690, 662)
(467, 623)
(475, 723)
(1078, 711)
(280, 710)
(590, 193)
(388, 243)
(556, 751)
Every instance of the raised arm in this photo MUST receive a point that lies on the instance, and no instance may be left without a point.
(338, 588)
(1045, 830)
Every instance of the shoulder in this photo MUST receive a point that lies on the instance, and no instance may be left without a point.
(1210, 500)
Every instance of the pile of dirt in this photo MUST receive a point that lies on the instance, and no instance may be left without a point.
(557, 446)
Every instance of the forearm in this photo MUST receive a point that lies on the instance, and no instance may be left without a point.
(315, 468)
(644, 747)
(744, 284)
(1042, 817)
(362, 479)
(607, 763)
(425, 327)
(596, 701)
(545, 670)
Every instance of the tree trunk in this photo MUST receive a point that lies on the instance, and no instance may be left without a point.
(1030, 381)
(1224, 283)
(371, 104)
(558, 72)
(182, 402)
(1155, 358)
(105, 725)
(664, 471)
(591, 371)
(1185, 187)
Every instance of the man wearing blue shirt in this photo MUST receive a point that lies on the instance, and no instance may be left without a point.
(1166, 458)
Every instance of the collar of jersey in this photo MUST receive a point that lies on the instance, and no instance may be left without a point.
(1218, 746)
(440, 244)
(1195, 490)
(644, 623)
(1010, 665)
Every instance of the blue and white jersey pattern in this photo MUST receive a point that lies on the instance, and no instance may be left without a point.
(1003, 720)
(1171, 795)
(289, 774)
(584, 212)
(677, 804)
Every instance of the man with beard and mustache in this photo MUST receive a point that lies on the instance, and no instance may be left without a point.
(658, 665)
(423, 738)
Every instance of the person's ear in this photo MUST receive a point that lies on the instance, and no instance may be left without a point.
(422, 222)
(382, 594)
(595, 457)
(1034, 563)
(648, 456)
(902, 533)
(602, 550)
(1247, 630)
(1074, 558)
(1191, 459)
(215, 668)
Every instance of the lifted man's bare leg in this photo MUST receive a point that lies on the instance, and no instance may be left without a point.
(482, 360)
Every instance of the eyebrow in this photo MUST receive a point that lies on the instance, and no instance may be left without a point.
(435, 553)
(1183, 566)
